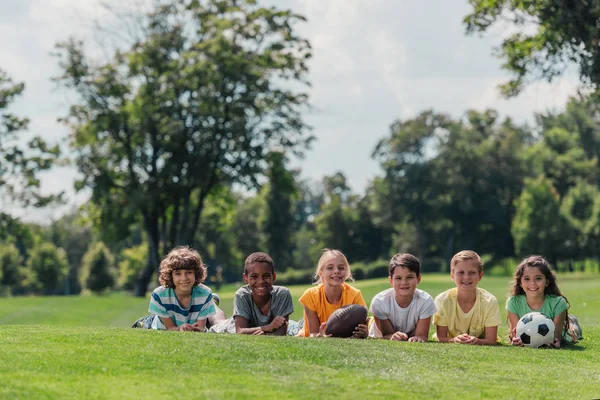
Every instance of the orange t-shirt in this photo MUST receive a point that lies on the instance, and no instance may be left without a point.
(314, 299)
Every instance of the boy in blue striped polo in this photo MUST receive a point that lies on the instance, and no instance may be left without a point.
(182, 302)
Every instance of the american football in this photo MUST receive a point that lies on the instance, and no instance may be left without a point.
(343, 321)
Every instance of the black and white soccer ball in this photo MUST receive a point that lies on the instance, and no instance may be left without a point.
(535, 329)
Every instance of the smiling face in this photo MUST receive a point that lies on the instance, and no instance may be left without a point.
(404, 281)
(466, 275)
(334, 271)
(260, 277)
(533, 282)
(184, 280)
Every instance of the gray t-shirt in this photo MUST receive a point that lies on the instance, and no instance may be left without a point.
(243, 306)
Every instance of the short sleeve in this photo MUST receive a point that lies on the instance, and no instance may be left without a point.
(428, 308)
(493, 313)
(208, 308)
(560, 306)
(359, 299)
(156, 305)
(308, 299)
(439, 317)
(241, 305)
(284, 305)
(378, 307)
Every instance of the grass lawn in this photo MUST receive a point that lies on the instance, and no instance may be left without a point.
(77, 347)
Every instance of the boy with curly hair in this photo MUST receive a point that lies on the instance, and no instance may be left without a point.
(182, 302)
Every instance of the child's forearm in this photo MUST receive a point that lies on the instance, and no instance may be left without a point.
(486, 341)
(249, 331)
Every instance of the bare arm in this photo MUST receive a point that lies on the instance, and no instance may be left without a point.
(312, 319)
(241, 327)
(491, 336)
(513, 319)
(388, 331)
(170, 325)
(442, 334)
(559, 323)
(421, 331)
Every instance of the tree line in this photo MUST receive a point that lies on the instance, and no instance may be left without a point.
(184, 136)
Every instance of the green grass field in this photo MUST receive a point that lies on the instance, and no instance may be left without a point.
(81, 347)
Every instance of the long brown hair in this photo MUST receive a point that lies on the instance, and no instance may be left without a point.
(552, 289)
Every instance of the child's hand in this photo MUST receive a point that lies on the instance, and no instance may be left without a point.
(277, 323)
(258, 332)
(516, 341)
(321, 331)
(465, 338)
(399, 336)
(555, 343)
(361, 331)
(416, 339)
(188, 327)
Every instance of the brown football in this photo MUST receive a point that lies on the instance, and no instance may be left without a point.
(343, 321)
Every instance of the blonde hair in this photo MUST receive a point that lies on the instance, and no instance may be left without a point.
(327, 254)
(466, 255)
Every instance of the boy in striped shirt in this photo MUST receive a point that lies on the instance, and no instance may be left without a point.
(182, 302)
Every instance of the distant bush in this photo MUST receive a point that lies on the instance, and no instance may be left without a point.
(10, 263)
(97, 264)
(46, 269)
(133, 260)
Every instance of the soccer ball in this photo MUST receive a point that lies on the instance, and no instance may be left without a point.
(535, 329)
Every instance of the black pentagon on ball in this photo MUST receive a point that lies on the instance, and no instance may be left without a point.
(543, 329)
(344, 320)
(527, 318)
(525, 338)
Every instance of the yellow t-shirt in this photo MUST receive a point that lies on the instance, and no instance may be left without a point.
(314, 298)
(484, 313)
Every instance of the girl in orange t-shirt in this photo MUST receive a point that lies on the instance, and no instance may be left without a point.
(331, 293)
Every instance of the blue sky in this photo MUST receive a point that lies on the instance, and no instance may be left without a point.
(374, 61)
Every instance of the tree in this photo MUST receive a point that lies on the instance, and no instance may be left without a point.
(538, 226)
(581, 207)
(411, 188)
(10, 264)
(48, 267)
(19, 167)
(196, 103)
(74, 234)
(132, 262)
(278, 220)
(551, 34)
(98, 264)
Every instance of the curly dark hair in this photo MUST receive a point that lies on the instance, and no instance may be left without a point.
(540, 263)
(182, 257)
(405, 260)
(258, 258)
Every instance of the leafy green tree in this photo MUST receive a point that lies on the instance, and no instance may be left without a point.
(245, 230)
(74, 234)
(550, 36)
(562, 159)
(133, 260)
(11, 262)
(538, 225)
(20, 166)
(411, 189)
(196, 103)
(278, 221)
(47, 269)
(482, 166)
(98, 269)
(581, 207)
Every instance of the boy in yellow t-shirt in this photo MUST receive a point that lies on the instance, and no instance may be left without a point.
(467, 314)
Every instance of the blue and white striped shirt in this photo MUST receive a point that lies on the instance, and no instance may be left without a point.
(164, 304)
